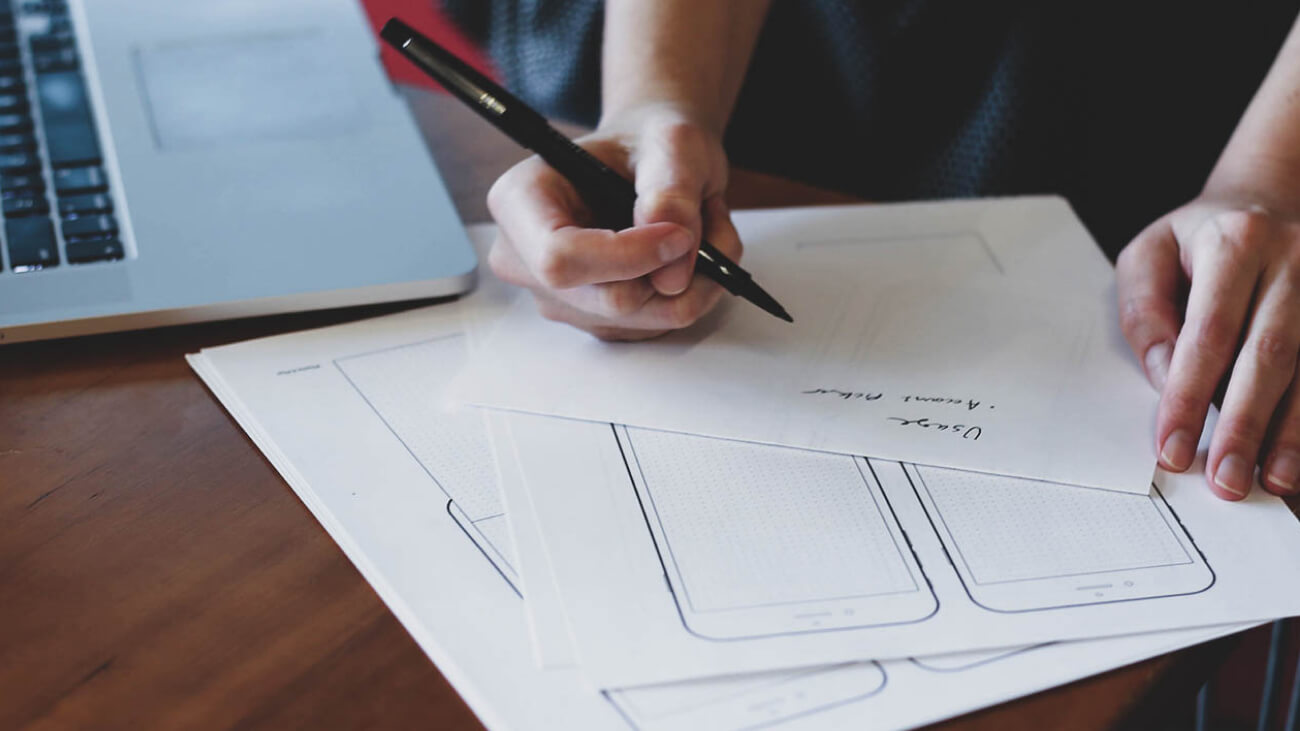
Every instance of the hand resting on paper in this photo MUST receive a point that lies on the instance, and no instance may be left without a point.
(1210, 290)
(1213, 290)
(626, 285)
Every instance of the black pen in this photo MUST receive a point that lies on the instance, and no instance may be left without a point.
(609, 195)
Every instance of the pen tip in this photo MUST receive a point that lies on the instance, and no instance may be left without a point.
(755, 294)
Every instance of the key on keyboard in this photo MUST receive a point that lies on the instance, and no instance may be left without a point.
(31, 243)
(80, 252)
(65, 116)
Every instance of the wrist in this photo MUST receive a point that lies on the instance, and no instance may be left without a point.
(1259, 179)
(626, 117)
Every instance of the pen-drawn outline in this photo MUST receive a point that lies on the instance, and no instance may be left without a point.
(626, 713)
(660, 551)
(922, 662)
(910, 468)
(486, 547)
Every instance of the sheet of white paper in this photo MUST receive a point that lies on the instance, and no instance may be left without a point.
(977, 334)
(403, 518)
(682, 557)
(940, 686)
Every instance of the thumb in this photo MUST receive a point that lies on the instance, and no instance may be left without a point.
(673, 178)
(1149, 284)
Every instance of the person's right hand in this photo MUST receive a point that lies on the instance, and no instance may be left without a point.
(619, 285)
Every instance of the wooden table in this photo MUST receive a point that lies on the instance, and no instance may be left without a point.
(156, 572)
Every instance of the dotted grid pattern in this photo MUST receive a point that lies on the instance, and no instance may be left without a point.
(1009, 529)
(749, 525)
(405, 385)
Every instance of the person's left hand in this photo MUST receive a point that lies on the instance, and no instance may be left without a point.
(1209, 290)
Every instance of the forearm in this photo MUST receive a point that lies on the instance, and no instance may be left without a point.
(689, 54)
(1262, 158)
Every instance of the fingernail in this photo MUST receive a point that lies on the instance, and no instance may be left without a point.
(1157, 364)
(1234, 475)
(1284, 470)
(675, 247)
(1179, 450)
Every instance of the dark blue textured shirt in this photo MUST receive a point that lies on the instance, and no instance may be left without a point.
(1121, 107)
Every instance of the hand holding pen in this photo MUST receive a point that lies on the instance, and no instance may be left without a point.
(566, 219)
(627, 285)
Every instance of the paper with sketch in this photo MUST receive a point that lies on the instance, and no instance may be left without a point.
(340, 413)
(977, 335)
(682, 557)
(907, 692)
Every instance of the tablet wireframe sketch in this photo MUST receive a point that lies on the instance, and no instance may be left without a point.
(757, 540)
(1022, 545)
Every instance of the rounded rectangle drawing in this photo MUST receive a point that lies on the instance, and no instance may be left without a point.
(755, 539)
(747, 701)
(1025, 545)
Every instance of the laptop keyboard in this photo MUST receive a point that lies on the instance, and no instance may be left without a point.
(53, 189)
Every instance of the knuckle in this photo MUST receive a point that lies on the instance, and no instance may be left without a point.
(555, 267)
(1140, 312)
(1183, 407)
(1246, 233)
(682, 136)
(684, 312)
(1275, 351)
(1213, 336)
(1241, 429)
(620, 300)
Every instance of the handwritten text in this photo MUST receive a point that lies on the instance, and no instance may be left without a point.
(966, 431)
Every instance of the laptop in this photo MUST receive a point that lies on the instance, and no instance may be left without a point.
(167, 161)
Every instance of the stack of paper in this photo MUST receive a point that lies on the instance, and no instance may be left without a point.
(717, 544)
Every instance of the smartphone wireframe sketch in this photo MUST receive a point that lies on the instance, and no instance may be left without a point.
(1022, 545)
(757, 540)
(747, 701)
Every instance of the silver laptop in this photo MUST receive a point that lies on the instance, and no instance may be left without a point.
(168, 161)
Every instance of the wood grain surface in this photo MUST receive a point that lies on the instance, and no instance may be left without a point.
(156, 572)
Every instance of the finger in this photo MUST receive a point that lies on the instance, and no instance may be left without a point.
(1149, 287)
(1281, 468)
(1264, 369)
(572, 257)
(505, 263)
(613, 303)
(675, 172)
(603, 303)
(558, 311)
(1225, 266)
(538, 212)
(720, 229)
(685, 309)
